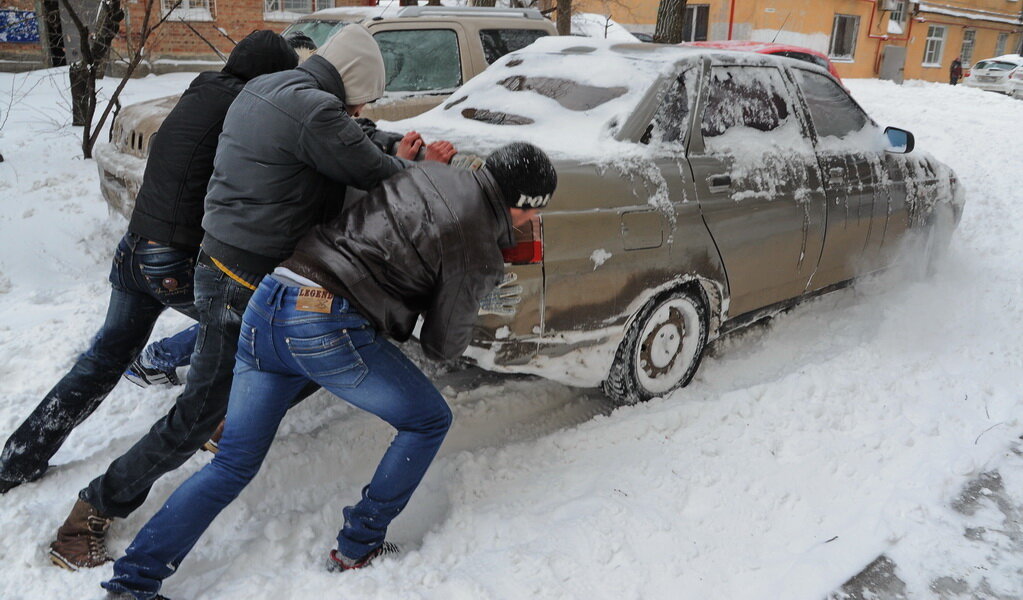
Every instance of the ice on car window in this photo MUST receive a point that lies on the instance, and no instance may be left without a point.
(738, 99)
(570, 94)
(318, 31)
(671, 122)
(420, 60)
(995, 65)
(498, 42)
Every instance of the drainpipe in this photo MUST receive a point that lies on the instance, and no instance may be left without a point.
(731, 19)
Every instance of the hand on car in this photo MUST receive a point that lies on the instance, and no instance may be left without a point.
(503, 299)
(440, 151)
(408, 147)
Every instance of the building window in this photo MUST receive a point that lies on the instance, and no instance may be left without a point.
(187, 10)
(969, 41)
(1003, 41)
(935, 46)
(290, 9)
(843, 37)
(897, 20)
(694, 26)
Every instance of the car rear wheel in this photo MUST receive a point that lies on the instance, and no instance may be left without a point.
(661, 350)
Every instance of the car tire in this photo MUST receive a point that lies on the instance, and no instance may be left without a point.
(661, 350)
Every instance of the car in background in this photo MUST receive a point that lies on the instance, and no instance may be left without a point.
(428, 53)
(995, 74)
(797, 52)
(699, 190)
(1016, 80)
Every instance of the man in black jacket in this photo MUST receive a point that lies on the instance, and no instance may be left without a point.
(426, 242)
(289, 143)
(153, 263)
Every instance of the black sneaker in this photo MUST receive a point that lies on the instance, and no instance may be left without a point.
(7, 485)
(339, 562)
(127, 596)
(143, 376)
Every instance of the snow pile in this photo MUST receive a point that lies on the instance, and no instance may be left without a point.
(601, 26)
(802, 450)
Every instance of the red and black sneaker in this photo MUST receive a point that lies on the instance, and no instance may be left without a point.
(339, 562)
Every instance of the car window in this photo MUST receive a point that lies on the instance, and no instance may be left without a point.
(833, 112)
(319, 31)
(804, 56)
(995, 65)
(420, 60)
(498, 42)
(671, 122)
(750, 97)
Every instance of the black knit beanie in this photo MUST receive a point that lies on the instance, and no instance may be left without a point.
(525, 175)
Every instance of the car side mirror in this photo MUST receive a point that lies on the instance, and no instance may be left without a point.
(900, 141)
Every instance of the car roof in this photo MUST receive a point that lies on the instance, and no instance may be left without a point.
(1011, 58)
(391, 12)
(759, 47)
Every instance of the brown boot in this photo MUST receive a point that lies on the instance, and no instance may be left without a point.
(81, 540)
(213, 445)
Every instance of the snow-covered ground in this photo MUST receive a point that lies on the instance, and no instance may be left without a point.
(804, 449)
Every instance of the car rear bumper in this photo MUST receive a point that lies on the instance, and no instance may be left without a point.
(120, 176)
(1002, 87)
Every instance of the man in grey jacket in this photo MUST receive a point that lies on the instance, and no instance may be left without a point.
(426, 242)
(288, 149)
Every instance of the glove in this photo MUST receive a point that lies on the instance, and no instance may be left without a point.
(503, 298)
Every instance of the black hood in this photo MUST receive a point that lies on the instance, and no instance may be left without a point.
(261, 52)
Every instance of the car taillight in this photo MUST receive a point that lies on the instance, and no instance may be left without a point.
(528, 248)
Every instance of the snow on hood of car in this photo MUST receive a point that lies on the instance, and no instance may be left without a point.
(567, 95)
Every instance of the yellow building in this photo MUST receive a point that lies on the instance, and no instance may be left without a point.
(914, 39)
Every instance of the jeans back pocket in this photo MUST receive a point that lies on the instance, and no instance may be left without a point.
(329, 359)
(170, 283)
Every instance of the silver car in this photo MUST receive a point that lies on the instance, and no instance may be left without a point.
(993, 74)
(699, 191)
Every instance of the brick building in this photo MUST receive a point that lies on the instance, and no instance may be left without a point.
(190, 40)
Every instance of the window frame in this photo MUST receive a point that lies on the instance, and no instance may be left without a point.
(899, 14)
(808, 109)
(937, 48)
(275, 10)
(964, 57)
(691, 22)
(1002, 43)
(186, 11)
(851, 56)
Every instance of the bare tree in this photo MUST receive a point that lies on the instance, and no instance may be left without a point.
(95, 47)
(483, 2)
(670, 20)
(564, 19)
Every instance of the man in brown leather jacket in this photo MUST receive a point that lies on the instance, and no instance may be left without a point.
(425, 242)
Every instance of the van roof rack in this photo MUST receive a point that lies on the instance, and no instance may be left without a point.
(468, 11)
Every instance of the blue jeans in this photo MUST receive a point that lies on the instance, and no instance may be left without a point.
(280, 350)
(171, 352)
(146, 278)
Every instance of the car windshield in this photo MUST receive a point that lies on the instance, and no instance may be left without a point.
(319, 31)
(559, 92)
(995, 65)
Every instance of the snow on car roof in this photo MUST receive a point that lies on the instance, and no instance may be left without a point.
(567, 95)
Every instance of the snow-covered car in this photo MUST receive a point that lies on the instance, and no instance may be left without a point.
(1016, 83)
(993, 74)
(699, 190)
(428, 52)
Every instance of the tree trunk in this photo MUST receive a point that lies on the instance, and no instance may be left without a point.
(564, 21)
(433, 3)
(670, 20)
(484, 2)
(408, 2)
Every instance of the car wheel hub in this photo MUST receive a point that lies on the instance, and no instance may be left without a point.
(667, 345)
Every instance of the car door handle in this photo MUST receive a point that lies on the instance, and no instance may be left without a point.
(718, 184)
(836, 174)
